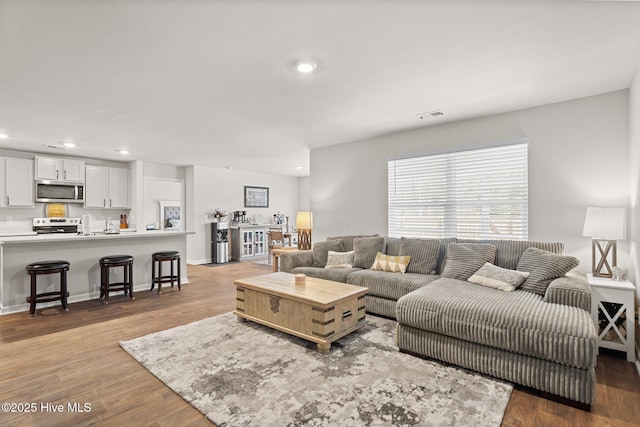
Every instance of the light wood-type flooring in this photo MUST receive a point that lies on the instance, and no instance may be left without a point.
(73, 358)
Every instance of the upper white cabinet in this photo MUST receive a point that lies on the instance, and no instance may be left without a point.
(16, 183)
(55, 168)
(106, 187)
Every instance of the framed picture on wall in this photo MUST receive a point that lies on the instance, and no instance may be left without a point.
(256, 197)
(170, 217)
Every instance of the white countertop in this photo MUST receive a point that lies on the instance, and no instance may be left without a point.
(72, 237)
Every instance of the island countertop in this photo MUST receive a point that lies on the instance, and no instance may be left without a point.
(73, 237)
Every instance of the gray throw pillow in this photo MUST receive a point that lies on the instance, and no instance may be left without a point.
(464, 259)
(544, 267)
(321, 250)
(423, 253)
(366, 249)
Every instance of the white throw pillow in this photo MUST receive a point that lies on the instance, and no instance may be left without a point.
(497, 277)
(339, 259)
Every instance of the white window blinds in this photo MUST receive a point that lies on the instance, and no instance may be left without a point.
(476, 194)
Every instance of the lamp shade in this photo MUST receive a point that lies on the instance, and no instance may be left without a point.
(304, 220)
(605, 223)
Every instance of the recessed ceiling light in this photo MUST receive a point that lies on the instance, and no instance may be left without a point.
(4, 136)
(298, 167)
(69, 144)
(123, 151)
(305, 66)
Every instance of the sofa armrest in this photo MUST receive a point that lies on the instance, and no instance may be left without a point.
(572, 289)
(291, 260)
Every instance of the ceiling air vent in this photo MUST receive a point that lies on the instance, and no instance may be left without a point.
(433, 114)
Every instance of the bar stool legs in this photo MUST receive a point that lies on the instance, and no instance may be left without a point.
(48, 267)
(106, 263)
(159, 258)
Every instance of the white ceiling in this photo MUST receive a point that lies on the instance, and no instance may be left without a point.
(210, 82)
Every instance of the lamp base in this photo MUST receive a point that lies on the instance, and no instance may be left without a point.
(304, 239)
(600, 250)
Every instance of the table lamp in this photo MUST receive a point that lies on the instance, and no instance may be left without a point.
(304, 223)
(604, 226)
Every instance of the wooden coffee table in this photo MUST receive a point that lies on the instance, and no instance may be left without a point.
(320, 311)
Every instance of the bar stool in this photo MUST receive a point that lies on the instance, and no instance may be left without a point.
(159, 257)
(48, 267)
(125, 261)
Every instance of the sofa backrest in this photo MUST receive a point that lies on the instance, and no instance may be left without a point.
(393, 248)
(348, 240)
(509, 252)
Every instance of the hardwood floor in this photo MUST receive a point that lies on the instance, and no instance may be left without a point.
(74, 358)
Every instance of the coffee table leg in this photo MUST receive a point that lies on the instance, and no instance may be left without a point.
(324, 348)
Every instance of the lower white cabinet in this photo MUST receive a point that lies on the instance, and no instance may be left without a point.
(16, 183)
(106, 187)
(248, 242)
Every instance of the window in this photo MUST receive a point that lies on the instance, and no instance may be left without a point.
(475, 194)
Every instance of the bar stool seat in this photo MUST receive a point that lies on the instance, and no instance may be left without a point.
(107, 262)
(48, 267)
(158, 258)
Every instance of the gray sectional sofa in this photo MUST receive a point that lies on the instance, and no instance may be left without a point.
(539, 335)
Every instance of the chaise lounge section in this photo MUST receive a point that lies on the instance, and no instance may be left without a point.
(538, 333)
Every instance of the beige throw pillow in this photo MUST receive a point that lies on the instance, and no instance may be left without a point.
(339, 259)
(496, 277)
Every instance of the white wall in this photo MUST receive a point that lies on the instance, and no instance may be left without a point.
(634, 168)
(224, 189)
(577, 158)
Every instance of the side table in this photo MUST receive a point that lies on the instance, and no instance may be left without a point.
(613, 313)
(276, 255)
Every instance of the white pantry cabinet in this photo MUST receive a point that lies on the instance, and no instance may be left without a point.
(106, 187)
(59, 169)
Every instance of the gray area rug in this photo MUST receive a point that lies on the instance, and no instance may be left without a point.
(245, 374)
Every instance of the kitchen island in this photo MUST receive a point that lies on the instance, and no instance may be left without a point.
(83, 253)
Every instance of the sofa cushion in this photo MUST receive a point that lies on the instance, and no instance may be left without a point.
(423, 253)
(509, 252)
(339, 259)
(321, 251)
(520, 322)
(389, 285)
(391, 263)
(464, 259)
(497, 277)
(366, 249)
(544, 267)
(335, 274)
(392, 245)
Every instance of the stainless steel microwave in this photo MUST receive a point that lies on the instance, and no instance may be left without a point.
(61, 192)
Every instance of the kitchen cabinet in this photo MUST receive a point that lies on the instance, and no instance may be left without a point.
(248, 242)
(59, 169)
(106, 187)
(16, 183)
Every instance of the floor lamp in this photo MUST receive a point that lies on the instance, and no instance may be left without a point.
(604, 226)
(304, 224)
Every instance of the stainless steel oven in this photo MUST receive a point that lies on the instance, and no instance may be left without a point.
(55, 225)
